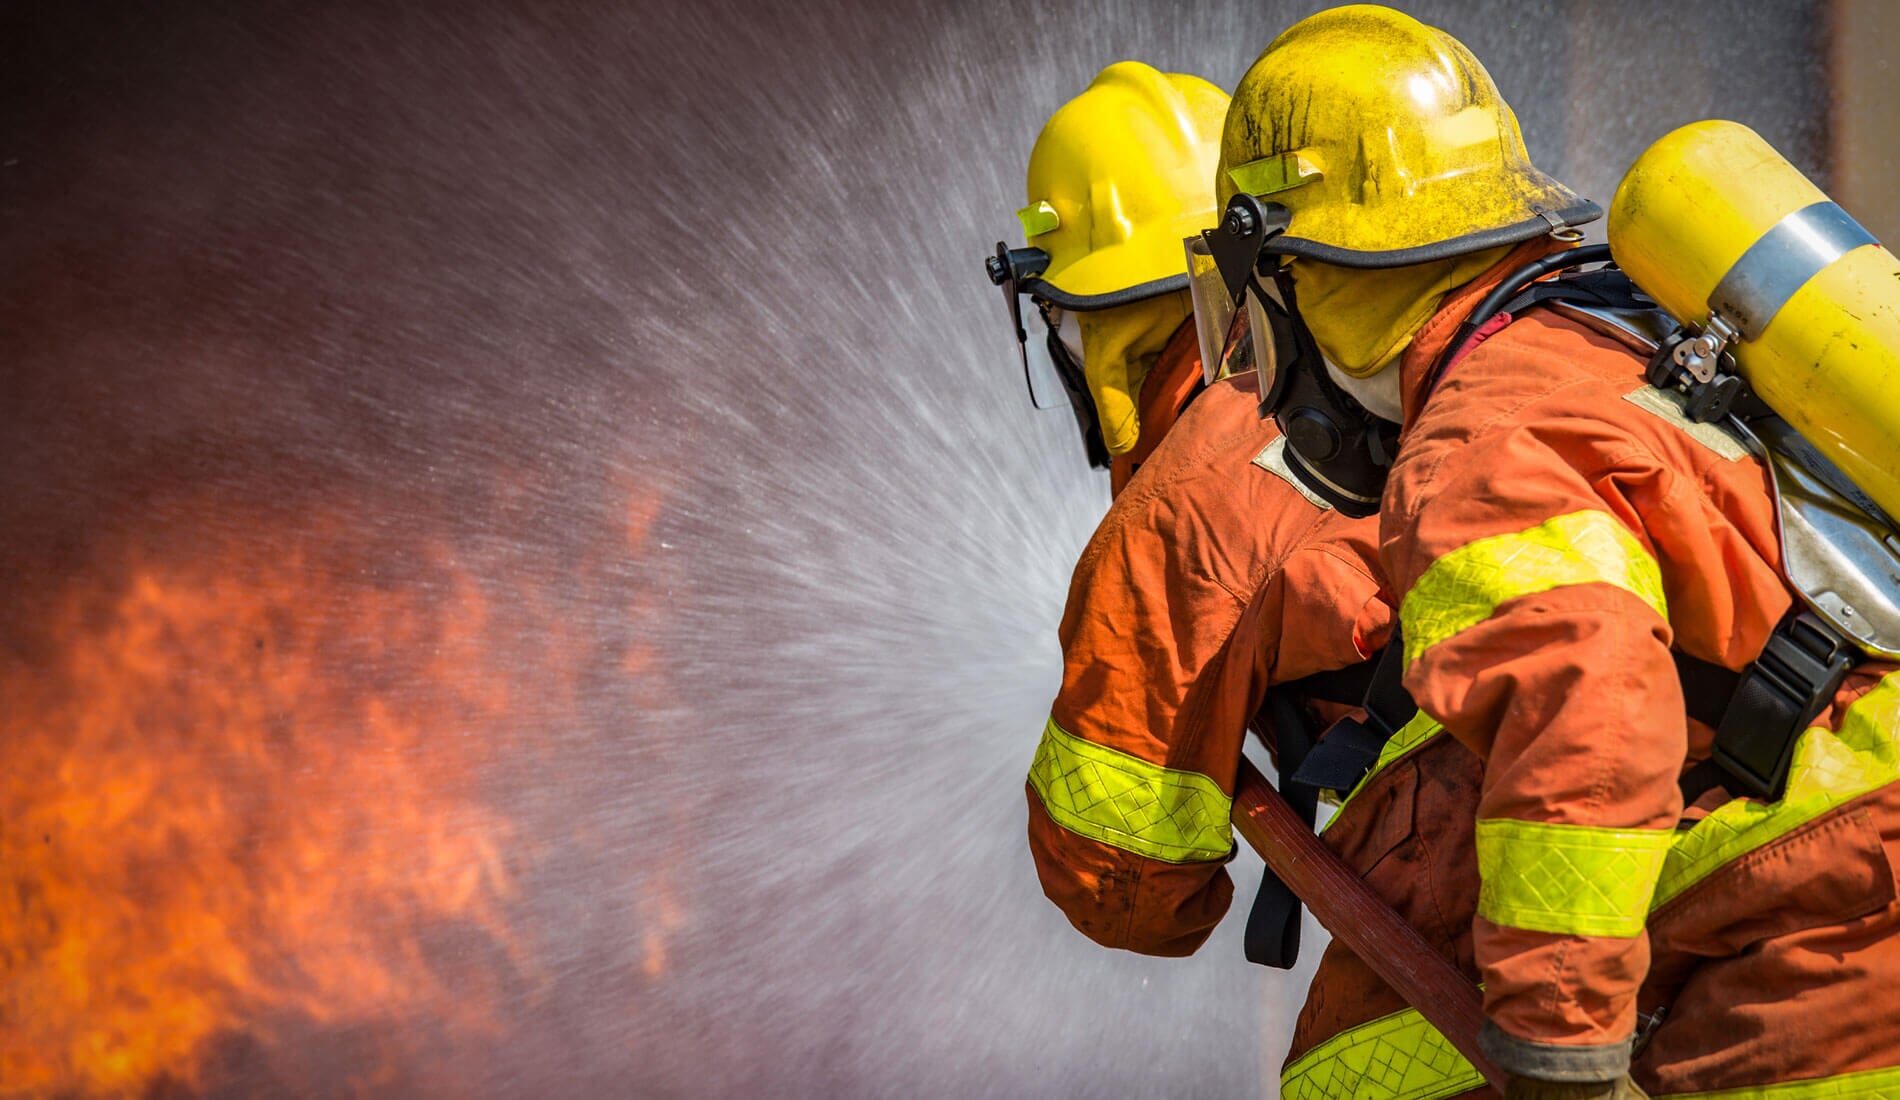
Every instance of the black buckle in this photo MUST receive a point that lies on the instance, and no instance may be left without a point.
(1349, 748)
(1797, 674)
(1236, 244)
(1341, 759)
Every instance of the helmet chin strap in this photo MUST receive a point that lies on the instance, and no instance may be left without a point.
(1380, 392)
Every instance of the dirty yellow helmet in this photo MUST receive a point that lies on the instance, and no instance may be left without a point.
(1119, 176)
(1387, 143)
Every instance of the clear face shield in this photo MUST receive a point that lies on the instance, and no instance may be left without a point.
(1271, 337)
(1052, 358)
(1256, 334)
(1049, 345)
(1213, 307)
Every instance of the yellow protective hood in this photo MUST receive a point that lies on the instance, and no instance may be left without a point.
(1119, 346)
(1363, 318)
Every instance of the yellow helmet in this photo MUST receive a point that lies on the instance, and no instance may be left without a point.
(1119, 176)
(1388, 144)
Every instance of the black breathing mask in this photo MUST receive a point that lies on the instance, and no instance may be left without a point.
(1339, 450)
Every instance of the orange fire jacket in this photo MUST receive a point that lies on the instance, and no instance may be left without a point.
(1210, 579)
(1555, 527)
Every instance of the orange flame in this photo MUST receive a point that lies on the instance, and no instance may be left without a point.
(234, 793)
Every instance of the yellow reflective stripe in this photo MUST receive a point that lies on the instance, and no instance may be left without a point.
(1574, 880)
(1464, 588)
(1038, 218)
(1396, 1057)
(1124, 801)
(1272, 174)
(1870, 1084)
(1412, 735)
(1828, 768)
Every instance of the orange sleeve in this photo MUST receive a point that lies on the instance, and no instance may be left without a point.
(1169, 639)
(1536, 628)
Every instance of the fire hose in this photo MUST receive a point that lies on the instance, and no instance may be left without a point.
(1359, 919)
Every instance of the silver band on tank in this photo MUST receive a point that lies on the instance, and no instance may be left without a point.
(1798, 248)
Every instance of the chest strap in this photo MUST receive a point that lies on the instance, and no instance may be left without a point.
(1757, 714)
(1346, 752)
(1272, 936)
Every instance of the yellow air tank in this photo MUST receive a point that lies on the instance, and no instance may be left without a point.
(1712, 220)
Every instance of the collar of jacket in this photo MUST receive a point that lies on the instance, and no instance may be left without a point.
(1431, 338)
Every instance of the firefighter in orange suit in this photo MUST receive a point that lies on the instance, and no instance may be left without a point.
(1215, 577)
(1567, 546)
(1210, 579)
(1172, 631)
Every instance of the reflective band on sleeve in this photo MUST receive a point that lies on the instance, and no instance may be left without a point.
(1110, 796)
(1396, 1057)
(1828, 769)
(1412, 735)
(1574, 880)
(1799, 247)
(1464, 588)
(1868, 1084)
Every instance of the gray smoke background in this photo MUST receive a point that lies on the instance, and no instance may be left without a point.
(663, 328)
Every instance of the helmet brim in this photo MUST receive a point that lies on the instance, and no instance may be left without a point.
(1147, 264)
(1582, 212)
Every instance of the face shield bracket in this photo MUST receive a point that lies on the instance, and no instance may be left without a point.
(1009, 269)
(1335, 448)
(1055, 379)
(1012, 269)
(1240, 239)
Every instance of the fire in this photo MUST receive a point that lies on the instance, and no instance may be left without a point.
(242, 795)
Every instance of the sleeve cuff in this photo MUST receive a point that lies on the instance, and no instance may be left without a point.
(1553, 1061)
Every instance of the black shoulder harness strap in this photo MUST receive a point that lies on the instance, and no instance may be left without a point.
(1759, 712)
(1273, 924)
(1346, 752)
(1605, 288)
